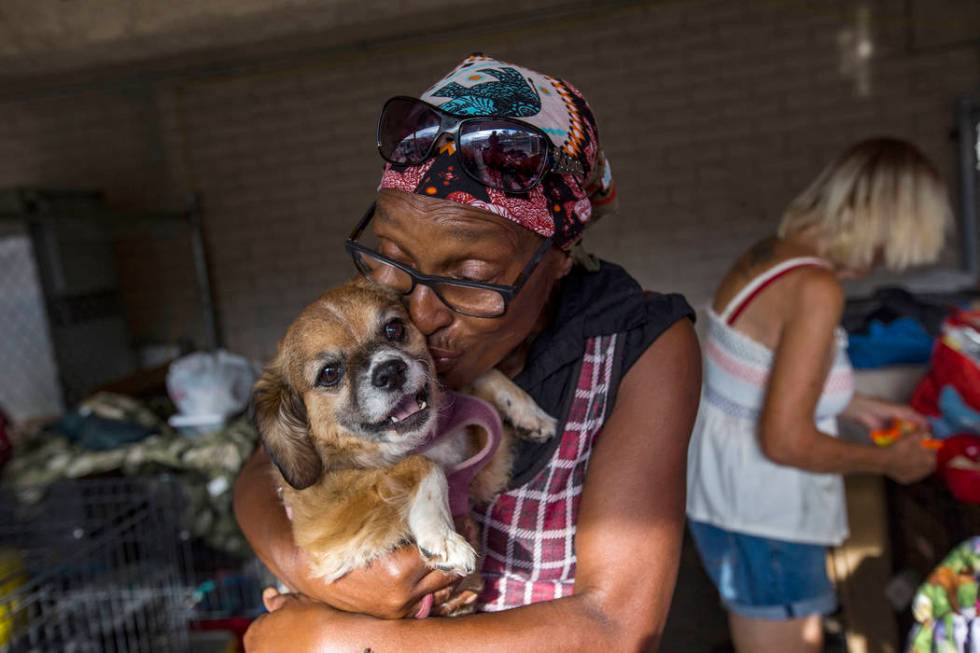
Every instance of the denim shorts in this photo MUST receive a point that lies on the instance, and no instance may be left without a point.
(762, 578)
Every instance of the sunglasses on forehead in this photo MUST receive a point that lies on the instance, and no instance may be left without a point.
(502, 153)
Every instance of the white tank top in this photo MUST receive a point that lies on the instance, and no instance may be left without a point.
(730, 482)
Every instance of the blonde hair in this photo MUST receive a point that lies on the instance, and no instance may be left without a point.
(881, 201)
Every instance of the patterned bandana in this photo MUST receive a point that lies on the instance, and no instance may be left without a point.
(562, 205)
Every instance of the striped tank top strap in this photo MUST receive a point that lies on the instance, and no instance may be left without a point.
(752, 289)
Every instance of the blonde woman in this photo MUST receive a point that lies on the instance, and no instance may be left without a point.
(765, 493)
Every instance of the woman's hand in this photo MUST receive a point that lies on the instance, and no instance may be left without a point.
(297, 624)
(291, 618)
(392, 587)
(876, 413)
(907, 461)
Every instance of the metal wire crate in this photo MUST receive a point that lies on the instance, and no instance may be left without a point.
(94, 566)
(227, 587)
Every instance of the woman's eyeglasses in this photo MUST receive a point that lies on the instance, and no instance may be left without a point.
(471, 298)
(501, 153)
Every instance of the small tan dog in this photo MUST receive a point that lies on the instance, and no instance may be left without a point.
(351, 394)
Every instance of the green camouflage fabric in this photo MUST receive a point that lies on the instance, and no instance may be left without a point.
(205, 465)
(945, 607)
(125, 409)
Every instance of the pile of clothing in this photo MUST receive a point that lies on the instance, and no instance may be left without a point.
(892, 327)
(945, 607)
(110, 433)
(950, 392)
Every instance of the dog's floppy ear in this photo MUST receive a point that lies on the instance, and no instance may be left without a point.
(280, 417)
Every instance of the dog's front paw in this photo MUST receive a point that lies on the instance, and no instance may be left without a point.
(449, 552)
(517, 409)
(530, 422)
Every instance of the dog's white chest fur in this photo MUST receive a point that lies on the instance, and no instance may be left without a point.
(449, 450)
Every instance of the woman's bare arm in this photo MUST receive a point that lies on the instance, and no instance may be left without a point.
(788, 434)
(630, 529)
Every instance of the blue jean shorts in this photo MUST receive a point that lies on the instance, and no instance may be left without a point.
(762, 578)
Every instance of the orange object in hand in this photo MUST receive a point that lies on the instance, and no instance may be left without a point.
(898, 428)
(891, 433)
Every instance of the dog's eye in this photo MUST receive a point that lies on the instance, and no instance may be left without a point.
(395, 330)
(329, 376)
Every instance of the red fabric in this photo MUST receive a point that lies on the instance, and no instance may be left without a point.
(949, 367)
(529, 532)
(963, 483)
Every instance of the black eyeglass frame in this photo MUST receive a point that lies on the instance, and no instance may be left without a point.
(450, 124)
(432, 281)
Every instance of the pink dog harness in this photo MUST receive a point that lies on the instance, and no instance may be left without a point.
(457, 412)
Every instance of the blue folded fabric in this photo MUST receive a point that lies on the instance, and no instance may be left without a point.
(956, 413)
(96, 433)
(942, 429)
(901, 341)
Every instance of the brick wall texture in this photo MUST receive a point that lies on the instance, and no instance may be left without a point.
(713, 113)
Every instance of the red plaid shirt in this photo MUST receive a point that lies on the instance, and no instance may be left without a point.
(529, 532)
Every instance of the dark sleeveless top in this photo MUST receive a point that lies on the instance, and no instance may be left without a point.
(603, 322)
(605, 302)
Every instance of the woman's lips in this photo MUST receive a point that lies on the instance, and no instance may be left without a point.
(444, 359)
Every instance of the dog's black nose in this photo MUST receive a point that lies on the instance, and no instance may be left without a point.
(389, 375)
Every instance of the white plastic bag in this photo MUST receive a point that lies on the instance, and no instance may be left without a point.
(207, 388)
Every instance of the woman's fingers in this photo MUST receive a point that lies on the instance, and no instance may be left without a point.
(272, 599)
(908, 461)
(431, 601)
(423, 608)
(909, 414)
(434, 581)
(872, 422)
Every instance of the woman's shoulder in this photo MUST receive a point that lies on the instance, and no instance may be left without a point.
(816, 291)
(602, 301)
(773, 256)
(610, 301)
(607, 299)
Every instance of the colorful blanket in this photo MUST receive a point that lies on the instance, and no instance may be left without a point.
(945, 607)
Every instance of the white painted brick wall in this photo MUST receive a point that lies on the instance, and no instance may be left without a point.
(713, 113)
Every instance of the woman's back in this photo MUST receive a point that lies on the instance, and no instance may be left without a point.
(763, 317)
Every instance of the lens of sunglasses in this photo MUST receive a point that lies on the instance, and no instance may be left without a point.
(382, 273)
(406, 131)
(503, 155)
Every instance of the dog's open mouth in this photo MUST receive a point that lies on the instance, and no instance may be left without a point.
(409, 407)
(409, 414)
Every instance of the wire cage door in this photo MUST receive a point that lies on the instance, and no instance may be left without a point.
(94, 566)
